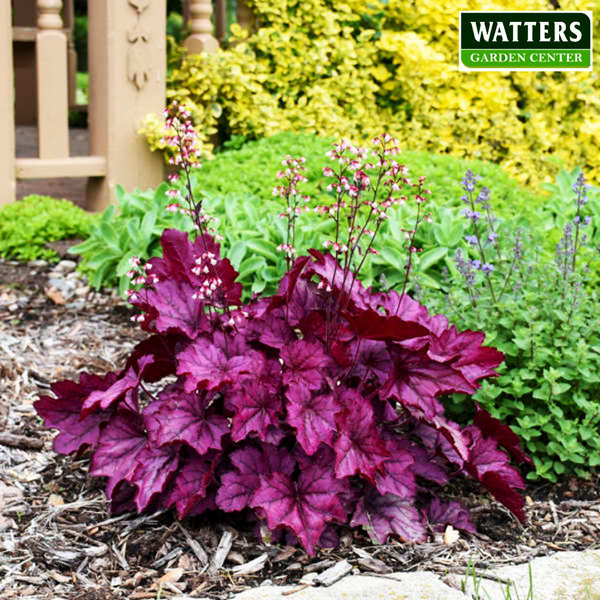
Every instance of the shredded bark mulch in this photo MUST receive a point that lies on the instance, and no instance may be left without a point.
(57, 539)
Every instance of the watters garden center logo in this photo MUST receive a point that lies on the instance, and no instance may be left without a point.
(525, 41)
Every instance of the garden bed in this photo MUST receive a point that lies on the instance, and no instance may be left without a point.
(58, 540)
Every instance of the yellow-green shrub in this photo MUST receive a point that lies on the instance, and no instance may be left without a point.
(350, 68)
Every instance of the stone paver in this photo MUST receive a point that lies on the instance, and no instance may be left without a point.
(563, 576)
(398, 586)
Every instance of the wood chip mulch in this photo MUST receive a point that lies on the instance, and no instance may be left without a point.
(57, 541)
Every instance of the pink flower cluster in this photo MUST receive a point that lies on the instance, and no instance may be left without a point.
(181, 136)
(292, 175)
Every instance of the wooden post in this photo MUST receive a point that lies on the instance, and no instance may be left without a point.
(220, 20)
(7, 108)
(24, 34)
(127, 64)
(201, 37)
(244, 15)
(53, 99)
(69, 14)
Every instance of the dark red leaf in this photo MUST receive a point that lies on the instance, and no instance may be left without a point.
(313, 416)
(441, 514)
(64, 412)
(305, 506)
(382, 516)
(239, 484)
(359, 450)
(305, 364)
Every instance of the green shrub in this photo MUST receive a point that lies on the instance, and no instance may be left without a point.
(355, 68)
(131, 229)
(251, 169)
(542, 311)
(236, 176)
(26, 226)
(237, 189)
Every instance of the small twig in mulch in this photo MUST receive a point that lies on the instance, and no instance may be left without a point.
(21, 441)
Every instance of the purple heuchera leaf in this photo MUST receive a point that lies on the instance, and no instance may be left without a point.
(397, 476)
(170, 307)
(190, 484)
(313, 416)
(441, 514)
(465, 352)
(305, 364)
(416, 381)
(382, 516)
(116, 455)
(305, 506)
(127, 380)
(206, 366)
(239, 484)
(503, 434)
(359, 450)
(183, 417)
(64, 412)
(155, 466)
(370, 325)
(257, 408)
(492, 468)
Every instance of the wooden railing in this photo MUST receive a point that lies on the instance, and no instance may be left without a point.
(126, 61)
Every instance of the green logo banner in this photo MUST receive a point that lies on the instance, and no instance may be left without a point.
(525, 41)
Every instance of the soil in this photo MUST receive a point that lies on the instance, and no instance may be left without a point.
(57, 539)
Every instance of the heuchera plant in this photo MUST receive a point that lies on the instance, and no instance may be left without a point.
(317, 407)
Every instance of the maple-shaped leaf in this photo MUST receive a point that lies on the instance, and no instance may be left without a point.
(127, 380)
(416, 380)
(120, 444)
(305, 506)
(275, 330)
(179, 256)
(122, 498)
(313, 416)
(184, 417)
(179, 264)
(494, 428)
(370, 325)
(371, 357)
(491, 466)
(164, 349)
(287, 285)
(441, 514)
(155, 466)
(382, 516)
(239, 484)
(425, 464)
(305, 364)
(466, 353)
(345, 287)
(190, 483)
(397, 476)
(445, 438)
(206, 366)
(171, 307)
(257, 407)
(359, 449)
(64, 412)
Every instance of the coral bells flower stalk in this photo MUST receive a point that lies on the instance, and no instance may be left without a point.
(208, 272)
(367, 183)
(292, 175)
